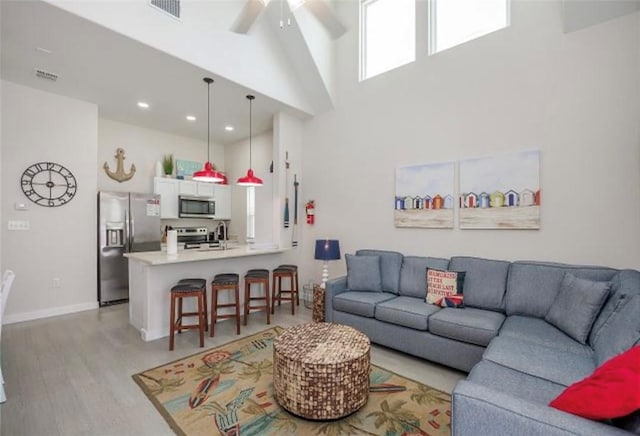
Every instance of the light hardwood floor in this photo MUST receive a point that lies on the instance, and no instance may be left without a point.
(71, 375)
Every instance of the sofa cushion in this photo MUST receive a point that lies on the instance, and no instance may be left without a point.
(624, 285)
(612, 391)
(550, 364)
(538, 331)
(532, 286)
(576, 306)
(363, 273)
(390, 264)
(359, 302)
(474, 326)
(406, 311)
(485, 281)
(514, 382)
(413, 275)
(445, 288)
(620, 332)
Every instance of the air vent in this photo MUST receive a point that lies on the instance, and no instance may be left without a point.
(47, 75)
(171, 7)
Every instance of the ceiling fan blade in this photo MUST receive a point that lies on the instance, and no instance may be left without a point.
(248, 16)
(321, 10)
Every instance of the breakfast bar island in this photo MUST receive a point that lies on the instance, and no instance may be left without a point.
(152, 274)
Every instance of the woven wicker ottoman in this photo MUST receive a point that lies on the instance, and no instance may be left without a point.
(321, 370)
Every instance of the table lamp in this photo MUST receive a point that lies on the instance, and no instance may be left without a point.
(326, 250)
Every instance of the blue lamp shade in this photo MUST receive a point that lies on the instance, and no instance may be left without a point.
(327, 249)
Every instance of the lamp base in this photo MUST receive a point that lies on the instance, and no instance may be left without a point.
(325, 274)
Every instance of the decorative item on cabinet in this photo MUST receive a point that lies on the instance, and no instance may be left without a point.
(120, 175)
(167, 164)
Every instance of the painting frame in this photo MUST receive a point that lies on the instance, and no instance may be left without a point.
(425, 196)
(501, 191)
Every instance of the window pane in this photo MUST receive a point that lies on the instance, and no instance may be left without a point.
(251, 213)
(454, 22)
(388, 35)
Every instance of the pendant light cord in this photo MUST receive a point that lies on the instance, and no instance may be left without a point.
(250, 98)
(208, 81)
(208, 121)
(250, 130)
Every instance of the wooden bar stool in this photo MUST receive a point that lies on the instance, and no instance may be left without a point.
(295, 272)
(287, 272)
(188, 288)
(258, 277)
(225, 282)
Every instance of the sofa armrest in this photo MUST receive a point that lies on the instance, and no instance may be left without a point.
(334, 287)
(479, 410)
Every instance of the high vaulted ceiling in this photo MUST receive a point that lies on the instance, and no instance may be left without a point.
(100, 65)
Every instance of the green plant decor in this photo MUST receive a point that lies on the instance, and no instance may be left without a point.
(167, 164)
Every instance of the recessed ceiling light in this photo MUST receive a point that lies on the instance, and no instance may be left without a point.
(228, 128)
(43, 50)
(191, 118)
(143, 105)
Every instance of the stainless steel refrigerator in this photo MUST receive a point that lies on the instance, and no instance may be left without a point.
(127, 222)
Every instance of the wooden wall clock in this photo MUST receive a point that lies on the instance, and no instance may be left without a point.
(48, 184)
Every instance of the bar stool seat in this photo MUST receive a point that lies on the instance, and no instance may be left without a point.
(225, 282)
(259, 277)
(183, 289)
(288, 272)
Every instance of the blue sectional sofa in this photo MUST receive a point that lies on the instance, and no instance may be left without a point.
(517, 361)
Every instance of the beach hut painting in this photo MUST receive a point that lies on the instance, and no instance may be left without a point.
(433, 185)
(510, 191)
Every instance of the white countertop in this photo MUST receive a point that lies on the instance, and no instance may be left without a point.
(197, 255)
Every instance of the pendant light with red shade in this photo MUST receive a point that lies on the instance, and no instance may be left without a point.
(250, 179)
(208, 174)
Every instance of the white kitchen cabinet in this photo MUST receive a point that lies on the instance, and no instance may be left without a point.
(188, 187)
(197, 189)
(223, 201)
(169, 190)
(204, 189)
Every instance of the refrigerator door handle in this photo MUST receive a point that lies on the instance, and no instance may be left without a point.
(132, 231)
(127, 236)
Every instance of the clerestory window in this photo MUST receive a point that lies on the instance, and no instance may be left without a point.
(454, 22)
(387, 35)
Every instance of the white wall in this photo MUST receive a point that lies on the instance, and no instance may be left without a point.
(143, 148)
(40, 126)
(573, 96)
(237, 160)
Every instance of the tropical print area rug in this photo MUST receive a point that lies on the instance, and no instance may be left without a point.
(228, 391)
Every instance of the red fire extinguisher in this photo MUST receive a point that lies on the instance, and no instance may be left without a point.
(310, 209)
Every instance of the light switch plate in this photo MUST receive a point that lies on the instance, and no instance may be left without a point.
(21, 206)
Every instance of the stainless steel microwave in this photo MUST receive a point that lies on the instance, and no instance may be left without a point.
(196, 207)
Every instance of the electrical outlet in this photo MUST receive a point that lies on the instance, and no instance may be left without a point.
(18, 225)
(55, 283)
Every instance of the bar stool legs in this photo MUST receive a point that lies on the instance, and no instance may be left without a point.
(184, 289)
(289, 272)
(225, 282)
(258, 277)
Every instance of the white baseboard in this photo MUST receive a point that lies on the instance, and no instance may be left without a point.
(46, 313)
(152, 335)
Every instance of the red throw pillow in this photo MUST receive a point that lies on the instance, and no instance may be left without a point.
(612, 391)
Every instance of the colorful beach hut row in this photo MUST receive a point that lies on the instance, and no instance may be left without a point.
(511, 198)
(426, 202)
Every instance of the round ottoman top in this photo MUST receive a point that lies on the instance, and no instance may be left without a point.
(321, 343)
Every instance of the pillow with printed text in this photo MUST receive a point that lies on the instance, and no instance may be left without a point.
(444, 288)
